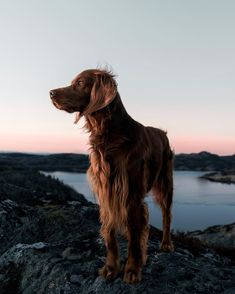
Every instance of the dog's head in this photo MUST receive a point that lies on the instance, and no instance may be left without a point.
(89, 92)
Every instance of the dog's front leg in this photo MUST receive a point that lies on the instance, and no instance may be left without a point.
(111, 267)
(138, 230)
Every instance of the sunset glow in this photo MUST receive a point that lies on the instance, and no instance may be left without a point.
(174, 64)
(79, 143)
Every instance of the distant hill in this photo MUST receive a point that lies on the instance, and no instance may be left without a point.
(204, 161)
(71, 162)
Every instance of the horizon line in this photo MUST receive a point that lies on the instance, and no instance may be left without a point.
(87, 153)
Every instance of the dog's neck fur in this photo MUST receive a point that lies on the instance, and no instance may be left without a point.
(113, 118)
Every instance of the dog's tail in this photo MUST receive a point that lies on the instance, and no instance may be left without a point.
(163, 186)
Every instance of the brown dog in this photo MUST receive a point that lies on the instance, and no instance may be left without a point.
(127, 160)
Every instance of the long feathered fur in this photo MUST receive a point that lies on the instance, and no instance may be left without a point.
(127, 160)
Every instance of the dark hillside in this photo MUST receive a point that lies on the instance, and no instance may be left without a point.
(70, 162)
(204, 161)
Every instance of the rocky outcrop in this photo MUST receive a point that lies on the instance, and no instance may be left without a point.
(57, 249)
(34, 188)
(217, 235)
(227, 177)
(50, 243)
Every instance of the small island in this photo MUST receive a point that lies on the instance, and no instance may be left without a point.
(219, 168)
(227, 177)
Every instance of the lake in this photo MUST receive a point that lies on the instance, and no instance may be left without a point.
(197, 204)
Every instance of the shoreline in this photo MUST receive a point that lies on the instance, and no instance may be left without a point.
(220, 177)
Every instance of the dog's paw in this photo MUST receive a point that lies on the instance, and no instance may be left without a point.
(108, 272)
(132, 276)
(167, 246)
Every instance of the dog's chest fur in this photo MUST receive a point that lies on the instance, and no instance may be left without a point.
(110, 184)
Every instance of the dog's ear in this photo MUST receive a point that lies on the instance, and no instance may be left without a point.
(103, 92)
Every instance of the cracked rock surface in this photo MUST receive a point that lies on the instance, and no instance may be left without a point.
(55, 247)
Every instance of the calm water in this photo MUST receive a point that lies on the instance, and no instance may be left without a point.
(197, 204)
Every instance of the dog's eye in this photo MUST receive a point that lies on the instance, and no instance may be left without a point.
(80, 83)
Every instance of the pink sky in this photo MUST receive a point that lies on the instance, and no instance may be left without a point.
(79, 144)
(213, 145)
(175, 68)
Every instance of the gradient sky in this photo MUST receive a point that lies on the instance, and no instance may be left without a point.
(174, 60)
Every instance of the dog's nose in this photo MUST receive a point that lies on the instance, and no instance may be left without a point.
(52, 94)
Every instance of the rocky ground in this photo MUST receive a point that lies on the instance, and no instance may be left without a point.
(217, 235)
(54, 246)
